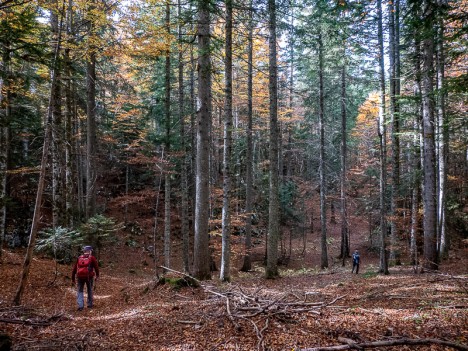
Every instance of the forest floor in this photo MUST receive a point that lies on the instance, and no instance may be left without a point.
(304, 308)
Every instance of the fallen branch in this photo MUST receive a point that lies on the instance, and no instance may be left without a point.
(25, 322)
(389, 343)
(27, 316)
(228, 309)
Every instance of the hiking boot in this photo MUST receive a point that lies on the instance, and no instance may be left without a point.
(80, 309)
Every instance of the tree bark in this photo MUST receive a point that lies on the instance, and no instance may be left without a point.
(323, 185)
(5, 104)
(382, 131)
(416, 156)
(427, 91)
(442, 136)
(57, 135)
(69, 116)
(167, 144)
(193, 137)
(225, 271)
(395, 122)
(273, 206)
(415, 194)
(184, 207)
(247, 265)
(344, 252)
(91, 142)
(201, 250)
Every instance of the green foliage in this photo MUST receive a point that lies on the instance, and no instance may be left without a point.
(457, 218)
(58, 243)
(99, 231)
(371, 273)
(288, 194)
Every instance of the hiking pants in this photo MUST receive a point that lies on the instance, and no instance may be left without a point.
(355, 266)
(80, 296)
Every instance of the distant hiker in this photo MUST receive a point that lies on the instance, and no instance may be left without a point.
(356, 260)
(85, 269)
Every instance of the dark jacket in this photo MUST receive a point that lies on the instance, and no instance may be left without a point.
(356, 258)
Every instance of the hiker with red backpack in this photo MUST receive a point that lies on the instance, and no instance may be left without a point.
(86, 270)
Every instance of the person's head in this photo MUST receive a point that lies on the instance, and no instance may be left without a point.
(356, 251)
(87, 249)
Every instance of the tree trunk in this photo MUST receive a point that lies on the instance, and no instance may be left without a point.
(42, 174)
(201, 249)
(443, 136)
(427, 91)
(323, 185)
(225, 270)
(184, 166)
(417, 157)
(247, 265)
(415, 165)
(57, 135)
(383, 268)
(193, 138)
(273, 206)
(344, 252)
(80, 167)
(91, 142)
(394, 119)
(167, 146)
(68, 220)
(5, 103)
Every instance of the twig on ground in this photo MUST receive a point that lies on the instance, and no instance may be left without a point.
(190, 322)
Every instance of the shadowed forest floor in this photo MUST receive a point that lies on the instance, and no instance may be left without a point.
(304, 308)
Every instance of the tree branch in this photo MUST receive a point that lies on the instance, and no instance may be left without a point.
(389, 343)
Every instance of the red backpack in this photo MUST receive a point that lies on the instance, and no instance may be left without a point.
(85, 267)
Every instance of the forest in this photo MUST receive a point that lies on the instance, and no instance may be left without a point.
(225, 159)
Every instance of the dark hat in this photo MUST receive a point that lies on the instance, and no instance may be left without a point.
(88, 248)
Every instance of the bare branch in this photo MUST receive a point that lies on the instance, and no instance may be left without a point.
(389, 343)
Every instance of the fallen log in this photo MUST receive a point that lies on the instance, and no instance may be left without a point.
(388, 343)
(191, 281)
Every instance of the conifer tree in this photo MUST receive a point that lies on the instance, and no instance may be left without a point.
(201, 251)
(273, 206)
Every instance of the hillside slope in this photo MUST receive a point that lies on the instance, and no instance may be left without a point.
(304, 308)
